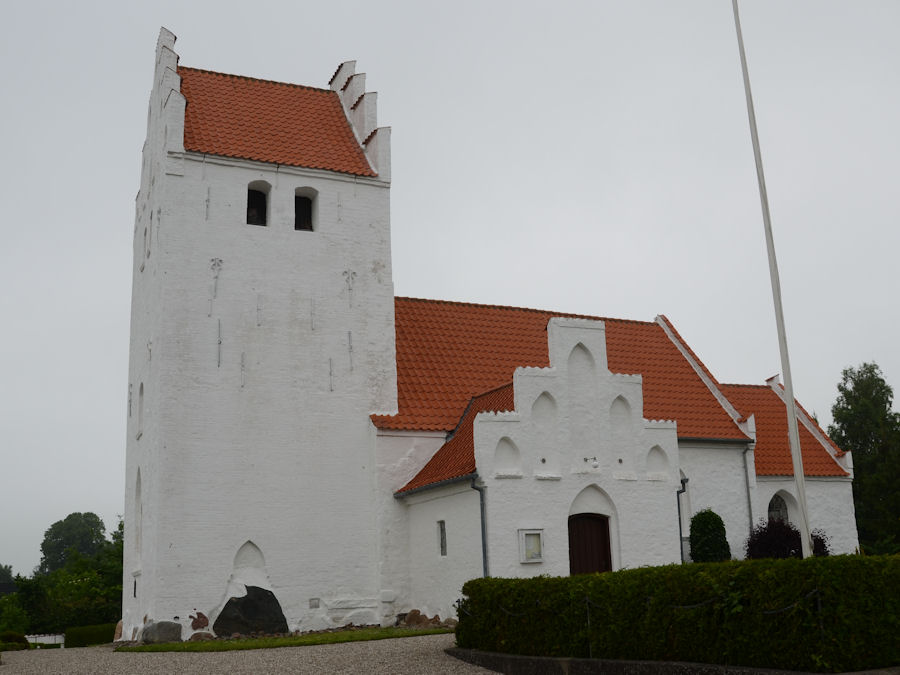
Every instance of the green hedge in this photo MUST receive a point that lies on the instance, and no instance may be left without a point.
(84, 636)
(821, 614)
(12, 646)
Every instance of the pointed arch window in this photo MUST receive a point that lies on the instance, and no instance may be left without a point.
(778, 509)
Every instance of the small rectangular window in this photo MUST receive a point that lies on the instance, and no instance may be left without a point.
(442, 537)
(531, 546)
(256, 207)
(303, 213)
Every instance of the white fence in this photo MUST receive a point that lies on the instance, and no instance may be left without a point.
(47, 639)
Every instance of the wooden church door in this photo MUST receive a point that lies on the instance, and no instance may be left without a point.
(589, 543)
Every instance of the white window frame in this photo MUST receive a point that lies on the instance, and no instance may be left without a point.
(527, 557)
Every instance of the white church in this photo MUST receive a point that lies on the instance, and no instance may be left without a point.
(302, 440)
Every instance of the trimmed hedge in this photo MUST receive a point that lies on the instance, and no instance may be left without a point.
(820, 614)
(85, 636)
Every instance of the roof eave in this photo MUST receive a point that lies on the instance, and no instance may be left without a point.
(400, 494)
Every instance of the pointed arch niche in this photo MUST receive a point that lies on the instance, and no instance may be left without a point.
(138, 516)
(544, 416)
(620, 416)
(581, 365)
(584, 403)
(507, 459)
(593, 532)
(657, 464)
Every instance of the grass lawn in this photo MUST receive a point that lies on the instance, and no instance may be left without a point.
(358, 635)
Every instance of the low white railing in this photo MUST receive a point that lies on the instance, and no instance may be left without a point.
(47, 639)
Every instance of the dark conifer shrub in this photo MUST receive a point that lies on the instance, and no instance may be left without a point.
(708, 542)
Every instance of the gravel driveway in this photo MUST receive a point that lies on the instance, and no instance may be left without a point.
(410, 656)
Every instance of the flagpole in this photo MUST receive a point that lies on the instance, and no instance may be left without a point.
(793, 431)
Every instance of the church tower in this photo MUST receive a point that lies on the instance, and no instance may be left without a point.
(262, 339)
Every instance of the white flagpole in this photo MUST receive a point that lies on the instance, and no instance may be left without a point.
(793, 432)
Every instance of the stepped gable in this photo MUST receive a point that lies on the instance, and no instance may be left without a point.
(273, 122)
(448, 352)
(456, 458)
(773, 450)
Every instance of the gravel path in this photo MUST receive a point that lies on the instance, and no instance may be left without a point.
(410, 656)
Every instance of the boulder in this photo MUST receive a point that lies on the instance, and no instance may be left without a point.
(201, 637)
(156, 632)
(118, 634)
(256, 612)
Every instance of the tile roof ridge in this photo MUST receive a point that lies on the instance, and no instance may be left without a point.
(748, 386)
(712, 384)
(568, 315)
(811, 423)
(254, 79)
(684, 343)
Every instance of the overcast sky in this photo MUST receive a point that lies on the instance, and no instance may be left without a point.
(588, 157)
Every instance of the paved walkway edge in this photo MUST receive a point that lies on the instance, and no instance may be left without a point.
(514, 664)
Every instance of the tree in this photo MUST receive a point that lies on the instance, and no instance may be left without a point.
(86, 590)
(865, 424)
(81, 532)
(6, 574)
(708, 542)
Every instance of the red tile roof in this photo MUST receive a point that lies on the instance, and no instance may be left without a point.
(447, 352)
(773, 450)
(275, 122)
(456, 457)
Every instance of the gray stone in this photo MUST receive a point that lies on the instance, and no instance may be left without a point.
(156, 632)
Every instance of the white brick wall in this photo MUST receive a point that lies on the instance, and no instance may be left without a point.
(269, 349)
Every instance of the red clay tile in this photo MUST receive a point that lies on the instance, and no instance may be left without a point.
(275, 122)
(447, 352)
(773, 449)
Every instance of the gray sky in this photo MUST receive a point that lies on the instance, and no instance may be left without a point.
(588, 157)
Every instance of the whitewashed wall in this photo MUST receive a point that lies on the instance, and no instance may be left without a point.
(830, 504)
(269, 348)
(577, 442)
(400, 456)
(717, 481)
(436, 580)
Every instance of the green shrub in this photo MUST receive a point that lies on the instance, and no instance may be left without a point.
(786, 614)
(13, 636)
(708, 542)
(12, 646)
(85, 636)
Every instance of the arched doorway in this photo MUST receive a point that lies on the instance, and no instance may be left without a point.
(589, 549)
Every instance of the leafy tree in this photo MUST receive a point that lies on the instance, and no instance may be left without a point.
(81, 532)
(86, 590)
(6, 574)
(12, 616)
(708, 542)
(865, 424)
